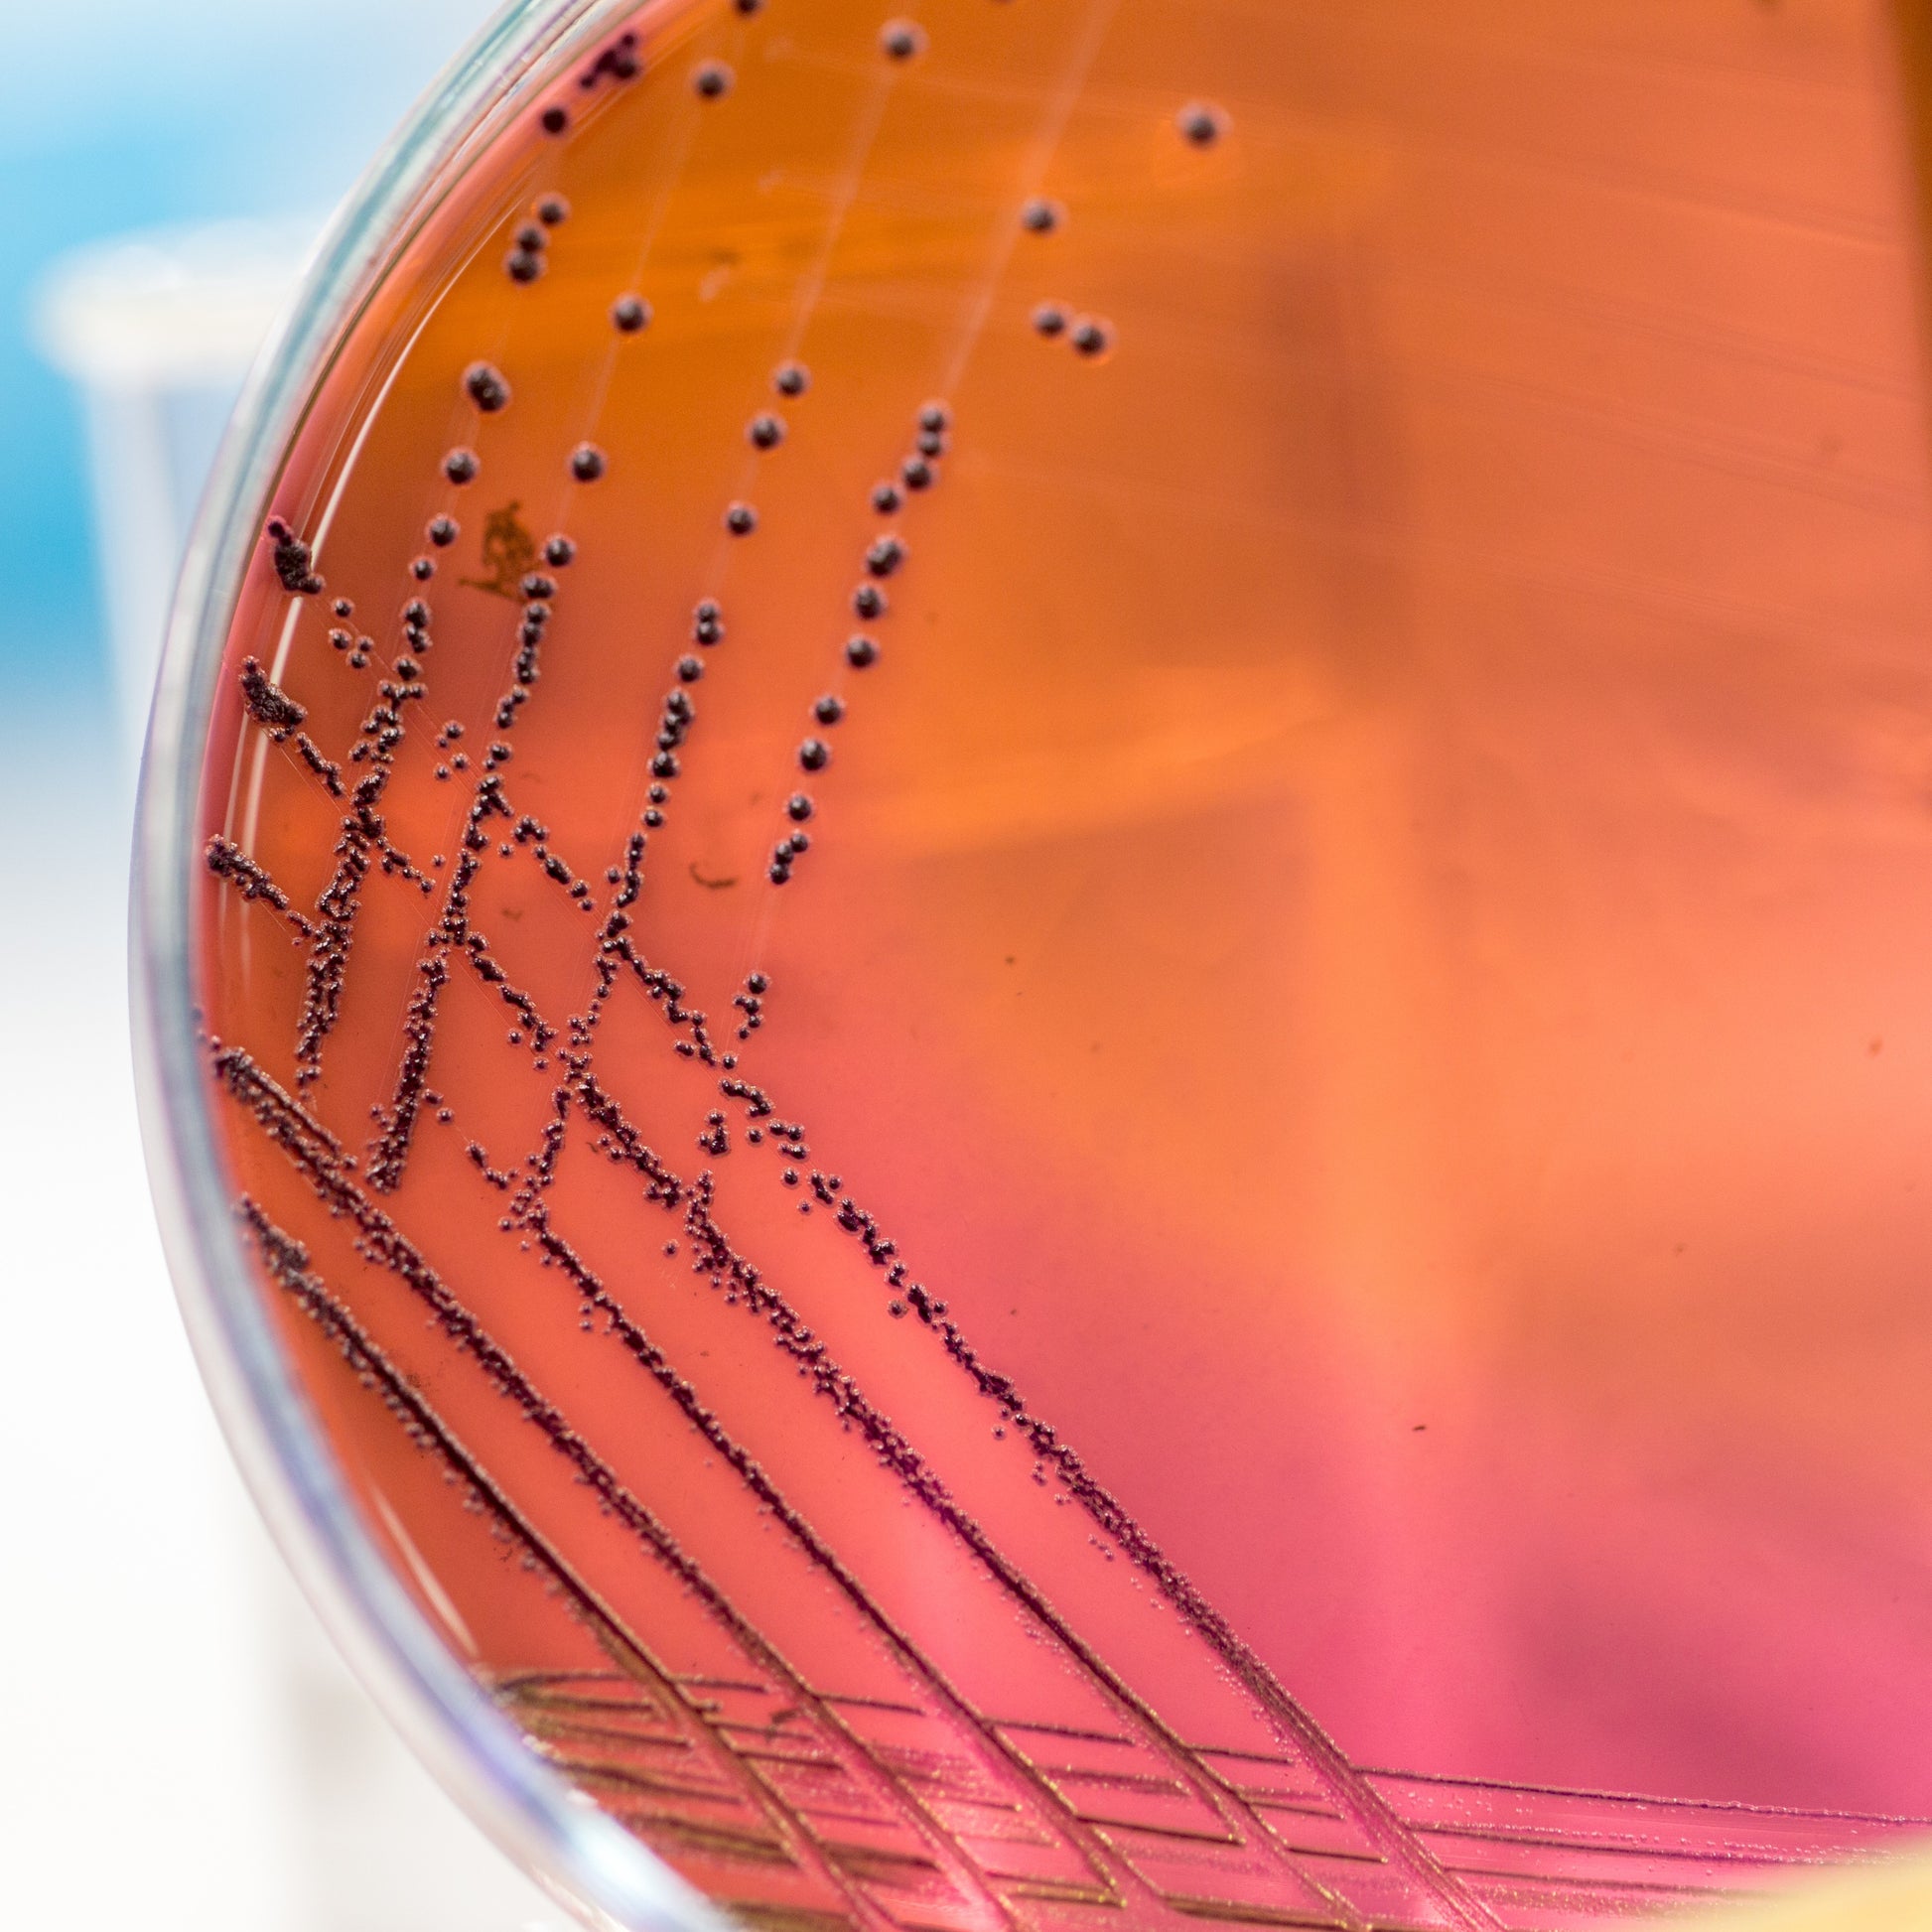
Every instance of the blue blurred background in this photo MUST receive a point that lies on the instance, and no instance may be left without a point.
(183, 1752)
(117, 115)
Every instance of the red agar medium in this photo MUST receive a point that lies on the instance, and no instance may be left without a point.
(1063, 919)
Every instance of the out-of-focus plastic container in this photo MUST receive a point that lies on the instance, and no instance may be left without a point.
(157, 329)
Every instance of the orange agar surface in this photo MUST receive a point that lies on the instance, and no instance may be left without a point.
(1067, 931)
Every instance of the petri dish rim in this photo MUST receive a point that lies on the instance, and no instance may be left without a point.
(265, 1415)
(554, 1833)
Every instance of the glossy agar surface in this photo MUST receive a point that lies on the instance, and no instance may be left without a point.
(1079, 1029)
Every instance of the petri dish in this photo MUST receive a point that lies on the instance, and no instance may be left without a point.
(1031, 960)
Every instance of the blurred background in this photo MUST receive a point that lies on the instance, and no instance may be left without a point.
(198, 1756)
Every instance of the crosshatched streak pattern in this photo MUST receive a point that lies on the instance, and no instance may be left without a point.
(816, 781)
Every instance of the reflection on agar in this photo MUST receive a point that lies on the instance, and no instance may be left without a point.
(1246, 1004)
